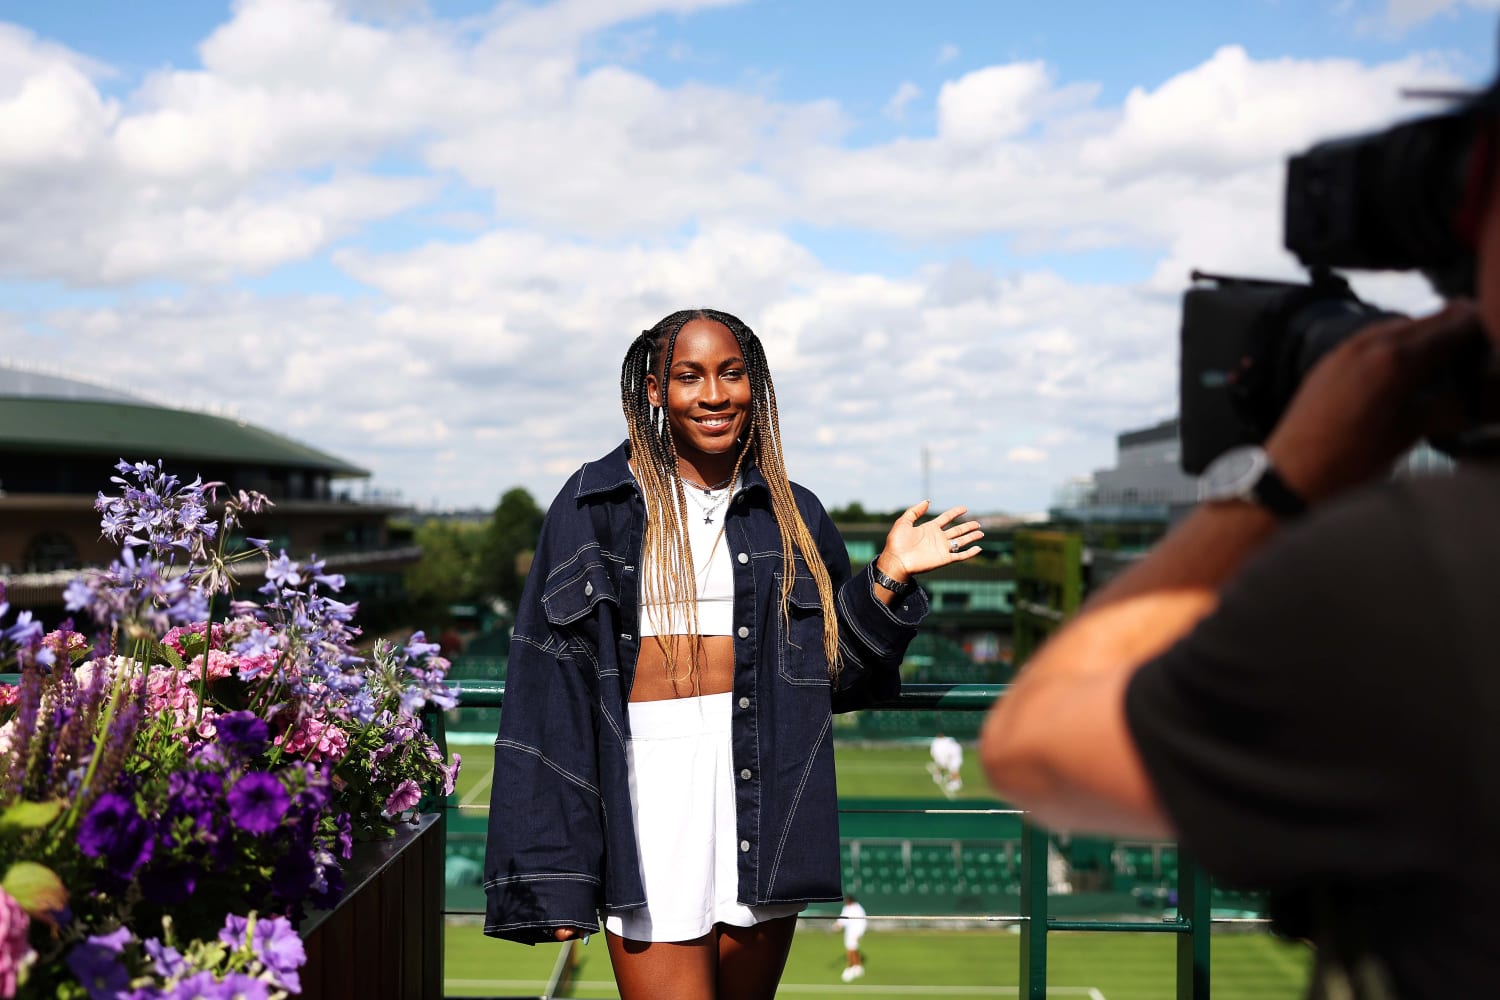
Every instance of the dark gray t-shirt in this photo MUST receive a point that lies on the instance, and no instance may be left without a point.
(1331, 732)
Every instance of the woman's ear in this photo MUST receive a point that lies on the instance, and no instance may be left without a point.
(653, 391)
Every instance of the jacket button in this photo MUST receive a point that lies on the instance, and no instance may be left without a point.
(744, 632)
(745, 774)
(740, 498)
(588, 590)
(744, 845)
(743, 558)
(744, 703)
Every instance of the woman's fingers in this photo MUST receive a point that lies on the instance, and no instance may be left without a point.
(564, 934)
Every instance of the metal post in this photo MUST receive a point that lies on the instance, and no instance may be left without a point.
(1034, 840)
(1195, 906)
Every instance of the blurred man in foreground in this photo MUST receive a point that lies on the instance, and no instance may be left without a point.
(1311, 704)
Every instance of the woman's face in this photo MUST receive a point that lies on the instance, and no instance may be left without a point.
(707, 391)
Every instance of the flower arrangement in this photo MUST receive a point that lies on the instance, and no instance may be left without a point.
(181, 783)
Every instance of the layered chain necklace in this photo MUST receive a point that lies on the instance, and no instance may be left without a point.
(713, 497)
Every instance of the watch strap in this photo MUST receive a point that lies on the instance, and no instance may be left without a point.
(1273, 493)
(890, 583)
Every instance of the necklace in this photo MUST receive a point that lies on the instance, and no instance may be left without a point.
(708, 491)
(712, 505)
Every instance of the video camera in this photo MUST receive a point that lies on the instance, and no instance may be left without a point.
(1391, 200)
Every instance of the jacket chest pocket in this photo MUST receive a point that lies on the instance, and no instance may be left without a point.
(799, 633)
(576, 593)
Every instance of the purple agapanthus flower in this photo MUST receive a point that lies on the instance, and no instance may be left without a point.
(258, 802)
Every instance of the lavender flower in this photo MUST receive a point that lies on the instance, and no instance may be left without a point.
(258, 802)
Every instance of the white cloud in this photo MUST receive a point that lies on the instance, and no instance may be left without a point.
(895, 108)
(1403, 14)
(617, 198)
(991, 104)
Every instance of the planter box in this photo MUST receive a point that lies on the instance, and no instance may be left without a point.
(385, 937)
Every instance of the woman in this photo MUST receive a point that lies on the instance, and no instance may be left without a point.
(688, 625)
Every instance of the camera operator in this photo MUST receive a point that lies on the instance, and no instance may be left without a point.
(1309, 700)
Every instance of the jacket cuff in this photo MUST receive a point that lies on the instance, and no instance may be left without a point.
(529, 908)
(885, 628)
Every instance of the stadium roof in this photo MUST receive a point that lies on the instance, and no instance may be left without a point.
(44, 413)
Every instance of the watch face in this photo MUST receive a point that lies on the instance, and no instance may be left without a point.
(1233, 475)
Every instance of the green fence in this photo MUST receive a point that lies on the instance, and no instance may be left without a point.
(958, 860)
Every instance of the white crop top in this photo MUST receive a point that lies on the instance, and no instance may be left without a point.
(709, 551)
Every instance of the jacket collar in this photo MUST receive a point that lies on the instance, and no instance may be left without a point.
(612, 472)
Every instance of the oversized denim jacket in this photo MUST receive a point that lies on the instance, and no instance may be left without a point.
(561, 839)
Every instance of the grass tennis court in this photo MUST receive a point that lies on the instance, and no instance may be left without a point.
(918, 963)
(901, 963)
(895, 770)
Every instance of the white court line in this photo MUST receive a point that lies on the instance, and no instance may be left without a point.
(480, 787)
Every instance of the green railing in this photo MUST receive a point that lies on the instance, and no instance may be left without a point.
(1192, 924)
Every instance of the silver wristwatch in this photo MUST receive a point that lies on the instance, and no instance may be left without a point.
(1246, 473)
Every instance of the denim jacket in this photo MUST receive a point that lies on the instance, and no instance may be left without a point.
(561, 842)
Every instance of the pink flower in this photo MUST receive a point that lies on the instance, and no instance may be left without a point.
(316, 740)
(220, 664)
(406, 796)
(450, 775)
(15, 952)
(8, 694)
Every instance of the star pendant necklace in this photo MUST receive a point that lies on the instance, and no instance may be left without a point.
(711, 506)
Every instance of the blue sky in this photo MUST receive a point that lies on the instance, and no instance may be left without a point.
(419, 235)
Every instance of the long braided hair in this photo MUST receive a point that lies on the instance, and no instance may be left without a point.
(667, 565)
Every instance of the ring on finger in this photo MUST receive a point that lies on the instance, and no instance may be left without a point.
(954, 545)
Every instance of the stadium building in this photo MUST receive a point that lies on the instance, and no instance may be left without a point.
(60, 439)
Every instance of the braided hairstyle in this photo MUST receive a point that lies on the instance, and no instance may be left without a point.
(666, 561)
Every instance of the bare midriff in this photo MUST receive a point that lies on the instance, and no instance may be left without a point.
(715, 667)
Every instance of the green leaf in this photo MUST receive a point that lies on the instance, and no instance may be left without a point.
(173, 659)
(36, 888)
(30, 815)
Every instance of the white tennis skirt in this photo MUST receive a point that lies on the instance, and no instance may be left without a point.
(682, 800)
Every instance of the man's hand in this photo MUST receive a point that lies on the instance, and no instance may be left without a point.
(1370, 399)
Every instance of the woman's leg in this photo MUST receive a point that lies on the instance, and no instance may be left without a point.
(751, 958)
(661, 970)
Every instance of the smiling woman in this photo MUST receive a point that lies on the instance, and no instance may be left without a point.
(689, 624)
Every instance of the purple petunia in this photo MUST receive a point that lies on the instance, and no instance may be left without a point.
(280, 950)
(96, 964)
(115, 831)
(258, 802)
(406, 796)
(242, 731)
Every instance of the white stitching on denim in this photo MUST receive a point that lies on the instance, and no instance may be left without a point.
(543, 877)
(522, 747)
(796, 800)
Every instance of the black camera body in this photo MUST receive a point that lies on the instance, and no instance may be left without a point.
(1391, 200)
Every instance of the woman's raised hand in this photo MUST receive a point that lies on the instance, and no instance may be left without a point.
(912, 548)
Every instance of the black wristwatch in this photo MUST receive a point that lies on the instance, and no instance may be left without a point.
(1246, 473)
(894, 586)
